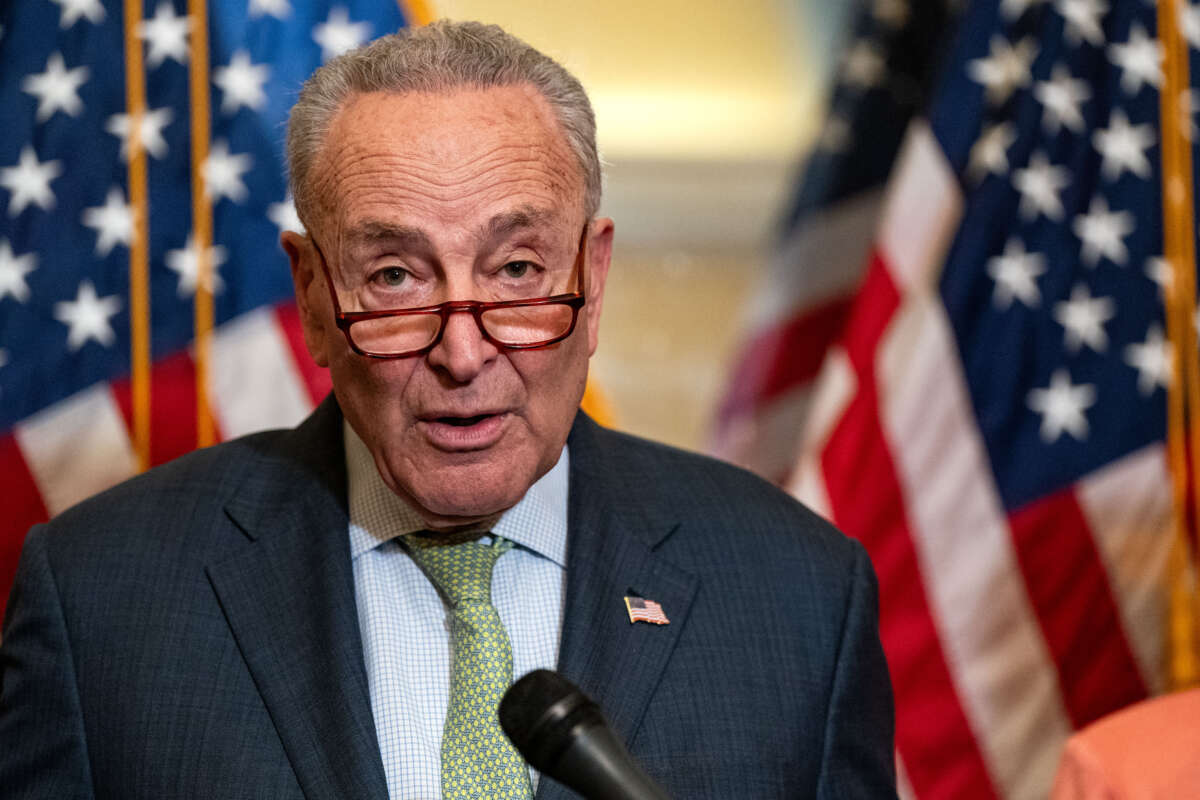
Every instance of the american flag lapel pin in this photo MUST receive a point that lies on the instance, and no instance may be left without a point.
(642, 610)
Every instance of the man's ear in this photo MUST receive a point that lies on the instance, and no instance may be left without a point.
(310, 294)
(599, 257)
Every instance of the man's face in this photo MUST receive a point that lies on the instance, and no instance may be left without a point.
(450, 188)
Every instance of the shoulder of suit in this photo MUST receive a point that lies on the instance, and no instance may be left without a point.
(693, 486)
(171, 501)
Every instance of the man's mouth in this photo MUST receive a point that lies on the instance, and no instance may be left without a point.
(459, 432)
(462, 422)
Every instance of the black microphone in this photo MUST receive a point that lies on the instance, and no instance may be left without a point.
(561, 732)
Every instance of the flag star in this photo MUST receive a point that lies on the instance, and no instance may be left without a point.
(29, 182)
(70, 12)
(284, 215)
(1189, 99)
(13, 269)
(241, 83)
(1189, 23)
(186, 264)
(279, 9)
(1039, 185)
(223, 172)
(1061, 98)
(3, 357)
(150, 128)
(1158, 269)
(1123, 146)
(1014, 9)
(1082, 19)
(892, 13)
(166, 34)
(864, 65)
(1016, 273)
(1005, 70)
(989, 154)
(1102, 233)
(113, 222)
(56, 89)
(1151, 359)
(338, 34)
(1140, 60)
(87, 317)
(1083, 318)
(1061, 405)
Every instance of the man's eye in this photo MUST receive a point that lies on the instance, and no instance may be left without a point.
(516, 269)
(391, 276)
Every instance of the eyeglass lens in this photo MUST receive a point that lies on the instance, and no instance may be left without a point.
(522, 325)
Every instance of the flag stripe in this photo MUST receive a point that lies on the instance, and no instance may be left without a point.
(943, 468)
(316, 379)
(921, 212)
(254, 385)
(173, 407)
(1066, 582)
(1127, 511)
(857, 464)
(77, 447)
(832, 393)
(22, 509)
(784, 357)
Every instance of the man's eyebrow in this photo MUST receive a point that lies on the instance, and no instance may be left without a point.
(524, 217)
(404, 236)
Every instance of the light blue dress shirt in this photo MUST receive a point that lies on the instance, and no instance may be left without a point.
(405, 623)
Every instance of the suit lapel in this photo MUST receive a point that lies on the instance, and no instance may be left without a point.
(287, 591)
(610, 554)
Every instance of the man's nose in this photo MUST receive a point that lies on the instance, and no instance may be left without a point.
(463, 351)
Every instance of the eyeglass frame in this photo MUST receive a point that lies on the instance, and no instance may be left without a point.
(573, 300)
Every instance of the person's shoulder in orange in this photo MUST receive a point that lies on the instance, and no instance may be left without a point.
(1148, 751)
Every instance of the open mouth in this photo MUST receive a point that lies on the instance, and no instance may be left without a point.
(462, 422)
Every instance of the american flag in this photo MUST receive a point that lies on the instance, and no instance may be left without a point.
(991, 423)
(69, 222)
(819, 261)
(642, 610)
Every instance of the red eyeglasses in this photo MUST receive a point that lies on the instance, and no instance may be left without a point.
(525, 324)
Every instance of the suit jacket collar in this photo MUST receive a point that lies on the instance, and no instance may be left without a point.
(287, 590)
(612, 551)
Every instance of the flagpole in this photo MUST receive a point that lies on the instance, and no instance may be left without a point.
(202, 217)
(139, 247)
(1183, 394)
(417, 12)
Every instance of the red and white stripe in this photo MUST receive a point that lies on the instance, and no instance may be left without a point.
(1003, 631)
(798, 314)
(262, 378)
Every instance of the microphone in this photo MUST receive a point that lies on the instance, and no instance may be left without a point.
(561, 732)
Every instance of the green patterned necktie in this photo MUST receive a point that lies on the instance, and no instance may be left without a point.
(478, 760)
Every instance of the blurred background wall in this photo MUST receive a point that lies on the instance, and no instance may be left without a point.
(704, 110)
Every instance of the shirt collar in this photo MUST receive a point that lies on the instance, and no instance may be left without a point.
(538, 522)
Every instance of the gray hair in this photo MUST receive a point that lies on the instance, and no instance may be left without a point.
(437, 58)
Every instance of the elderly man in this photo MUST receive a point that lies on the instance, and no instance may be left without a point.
(334, 611)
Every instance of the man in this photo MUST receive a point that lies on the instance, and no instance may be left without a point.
(283, 615)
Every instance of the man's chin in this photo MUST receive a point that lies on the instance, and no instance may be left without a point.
(454, 498)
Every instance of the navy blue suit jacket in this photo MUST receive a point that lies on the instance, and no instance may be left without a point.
(193, 632)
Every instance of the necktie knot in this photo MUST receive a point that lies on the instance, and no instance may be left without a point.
(461, 571)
